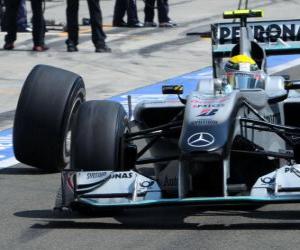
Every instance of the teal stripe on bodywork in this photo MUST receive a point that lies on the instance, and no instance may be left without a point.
(199, 201)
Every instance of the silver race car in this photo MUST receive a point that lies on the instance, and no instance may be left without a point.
(234, 140)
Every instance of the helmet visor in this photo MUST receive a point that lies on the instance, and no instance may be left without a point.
(244, 80)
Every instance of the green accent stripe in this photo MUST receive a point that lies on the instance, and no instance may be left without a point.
(199, 201)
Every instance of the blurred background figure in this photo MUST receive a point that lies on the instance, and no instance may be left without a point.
(98, 35)
(38, 24)
(22, 17)
(129, 7)
(2, 16)
(163, 14)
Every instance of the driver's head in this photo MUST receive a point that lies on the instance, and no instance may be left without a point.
(242, 72)
(241, 63)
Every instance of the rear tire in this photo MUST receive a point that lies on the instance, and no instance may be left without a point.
(98, 137)
(48, 102)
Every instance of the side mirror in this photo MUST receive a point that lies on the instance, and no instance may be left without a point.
(292, 84)
(279, 96)
(275, 89)
(172, 89)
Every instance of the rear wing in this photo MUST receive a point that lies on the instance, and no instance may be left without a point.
(280, 37)
(275, 37)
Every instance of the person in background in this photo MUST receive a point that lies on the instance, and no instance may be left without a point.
(38, 24)
(123, 6)
(163, 14)
(98, 35)
(22, 17)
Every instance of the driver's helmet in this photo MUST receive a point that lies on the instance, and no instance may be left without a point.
(242, 72)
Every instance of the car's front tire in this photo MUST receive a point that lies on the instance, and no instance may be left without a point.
(49, 99)
(98, 137)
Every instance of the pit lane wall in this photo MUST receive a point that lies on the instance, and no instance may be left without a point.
(150, 92)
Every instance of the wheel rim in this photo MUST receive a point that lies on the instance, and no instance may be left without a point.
(68, 131)
(122, 145)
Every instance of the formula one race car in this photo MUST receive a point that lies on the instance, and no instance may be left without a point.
(234, 140)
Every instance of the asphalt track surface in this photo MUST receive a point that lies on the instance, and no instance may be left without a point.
(27, 194)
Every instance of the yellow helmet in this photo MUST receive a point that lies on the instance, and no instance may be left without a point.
(241, 63)
(242, 72)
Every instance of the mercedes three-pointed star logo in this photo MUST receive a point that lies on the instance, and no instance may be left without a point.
(200, 140)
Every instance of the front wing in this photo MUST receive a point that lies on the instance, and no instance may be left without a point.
(131, 189)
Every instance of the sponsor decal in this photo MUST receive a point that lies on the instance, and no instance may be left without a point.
(121, 175)
(211, 100)
(201, 139)
(263, 32)
(170, 182)
(204, 122)
(147, 184)
(95, 175)
(292, 170)
(167, 177)
(267, 180)
(211, 105)
(208, 112)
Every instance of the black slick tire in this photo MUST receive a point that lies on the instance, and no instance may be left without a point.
(98, 136)
(48, 102)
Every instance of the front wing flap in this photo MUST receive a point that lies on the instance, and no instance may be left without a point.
(106, 188)
(131, 189)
